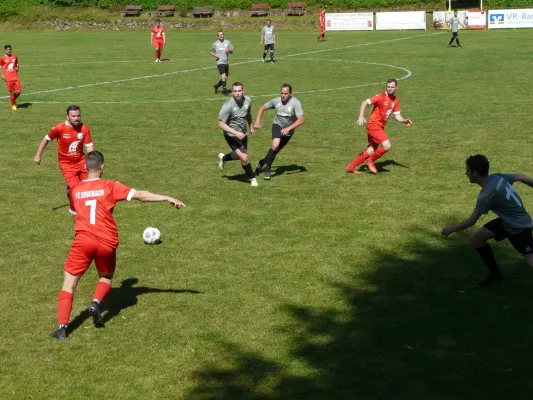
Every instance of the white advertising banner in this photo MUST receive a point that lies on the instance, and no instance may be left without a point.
(499, 19)
(477, 19)
(350, 22)
(400, 20)
(441, 19)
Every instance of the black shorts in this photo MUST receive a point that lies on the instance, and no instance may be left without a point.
(455, 34)
(235, 143)
(276, 133)
(223, 69)
(521, 241)
(269, 47)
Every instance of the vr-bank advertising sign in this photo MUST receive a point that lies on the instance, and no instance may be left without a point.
(501, 19)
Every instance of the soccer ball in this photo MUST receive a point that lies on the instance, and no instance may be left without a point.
(151, 235)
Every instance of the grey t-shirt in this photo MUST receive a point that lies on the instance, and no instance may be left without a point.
(236, 115)
(220, 48)
(454, 23)
(499, 196)
(268, 33)
(286, 113)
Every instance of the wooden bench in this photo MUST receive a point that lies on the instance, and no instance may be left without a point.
(164, 11)
(297, 8)
(260, 9)
(202, 12)
(132, 11)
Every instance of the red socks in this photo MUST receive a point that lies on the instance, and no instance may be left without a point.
(101, 291)
(64, 307)
(13, 98)
(378, 153)
(359, 160)
(158, 54)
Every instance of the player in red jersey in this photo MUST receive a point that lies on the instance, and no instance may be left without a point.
(96, 237)
(322, 23)
(71, 135)
(9, 67)
(385, 104)
(158, 39)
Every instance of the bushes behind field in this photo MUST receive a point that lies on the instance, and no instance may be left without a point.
(10, 8)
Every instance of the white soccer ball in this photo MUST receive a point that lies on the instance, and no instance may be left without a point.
(151, 235)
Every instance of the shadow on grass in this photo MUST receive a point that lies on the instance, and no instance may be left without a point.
(288, 169)
(24, 105)
(414, 327)
(380, 165)
(120, 298)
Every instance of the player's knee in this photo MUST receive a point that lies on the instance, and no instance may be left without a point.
(386, 145)
(478, 240)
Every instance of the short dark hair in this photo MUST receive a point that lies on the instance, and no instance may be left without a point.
(94, 160)
(393, 80)
(478, 163)
(220, 30)
(237, 84)
(286, 85)
(7, 46)
(157, 21)
(73, 107)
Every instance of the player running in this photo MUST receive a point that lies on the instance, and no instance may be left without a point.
(71, 136)
(322, 23)
(9, 67)
(385, 104)
(96, 238)
(158, 39)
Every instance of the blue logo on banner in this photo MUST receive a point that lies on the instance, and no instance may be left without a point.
(497, 18)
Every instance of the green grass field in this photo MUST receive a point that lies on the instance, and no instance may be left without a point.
(315, 285)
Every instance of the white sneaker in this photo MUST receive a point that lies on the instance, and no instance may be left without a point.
(263, 60)
(253, 182)
(221, 161)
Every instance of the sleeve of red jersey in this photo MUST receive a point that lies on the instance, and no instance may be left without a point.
(87, 138)
(54, 133)
(121, 192)
(375, 99)
(397, 110)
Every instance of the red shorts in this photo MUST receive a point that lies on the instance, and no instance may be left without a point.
(13, 85)
(376, 136)
(86, 249)
(74, 173)
(158, 44)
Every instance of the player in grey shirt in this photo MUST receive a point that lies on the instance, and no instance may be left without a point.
(454, 27)
(513, 222)
(220, 50)
(289, 116)
(232, 119)
(268, 35)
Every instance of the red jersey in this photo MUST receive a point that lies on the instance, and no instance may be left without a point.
(384, 106)
(10, 65)
(94, 201)
(158, 32)
(70, 141)
(322, 19)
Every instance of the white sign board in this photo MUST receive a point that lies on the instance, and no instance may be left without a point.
(400, 20)
(477, 19)
(441, 19)
(350, 22)
(499, 19)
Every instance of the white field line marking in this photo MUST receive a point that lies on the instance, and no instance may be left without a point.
(211, 67)
(408, 74)
(144, 61)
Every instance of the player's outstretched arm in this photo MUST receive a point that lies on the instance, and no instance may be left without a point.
(40, 150)
(361, 120)
(403, 120)
(250, 122)
(257, 124)
(145, 195)
(524, 179)
(464, 224)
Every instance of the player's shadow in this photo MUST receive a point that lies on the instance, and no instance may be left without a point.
(288, 169)
(121, 298)
(127, 295)
(382, 164)
(239, 177)
(24, 105)
(60, 207)
(165, 59)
